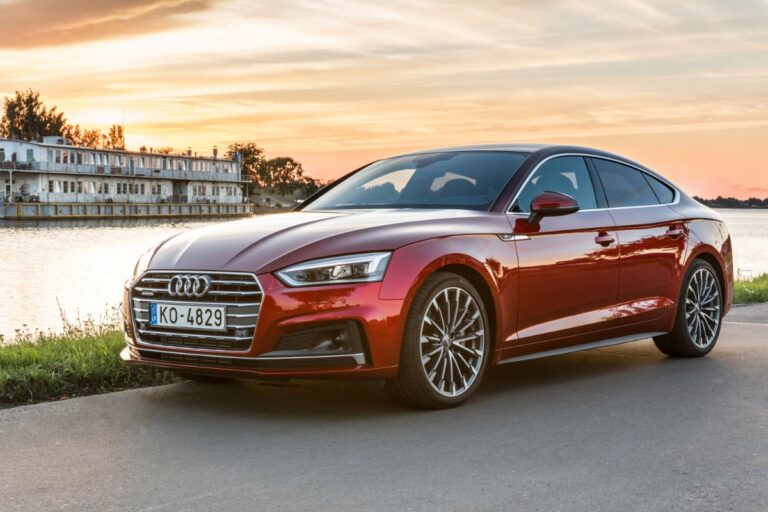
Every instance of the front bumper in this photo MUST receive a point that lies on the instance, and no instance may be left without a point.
(287, 310)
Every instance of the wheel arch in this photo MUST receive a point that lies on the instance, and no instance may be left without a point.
(710, 241)
(486, 294)
(485, 261)
(711, 256)
(712, 260)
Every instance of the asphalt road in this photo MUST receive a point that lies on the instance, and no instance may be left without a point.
(622, 428)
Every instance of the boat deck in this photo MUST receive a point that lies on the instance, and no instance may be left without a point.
(50, 211)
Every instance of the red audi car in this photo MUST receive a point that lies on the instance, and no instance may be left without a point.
(425, 268)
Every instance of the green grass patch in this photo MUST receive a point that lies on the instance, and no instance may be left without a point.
(751, 290)
(42, 367)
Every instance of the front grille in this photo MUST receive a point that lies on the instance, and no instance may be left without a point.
(241, 294)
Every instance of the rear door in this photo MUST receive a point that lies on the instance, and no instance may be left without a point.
(652, 238)
(569, 265)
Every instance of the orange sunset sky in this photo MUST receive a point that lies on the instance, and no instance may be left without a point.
(680, 86)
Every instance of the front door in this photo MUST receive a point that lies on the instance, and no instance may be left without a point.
(569, 265)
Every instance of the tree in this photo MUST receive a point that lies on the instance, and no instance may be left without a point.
(94, 138)
(115, 139)
(310, 185)
(84, 137)
(26, 118)
(286, 174)
(252, 158)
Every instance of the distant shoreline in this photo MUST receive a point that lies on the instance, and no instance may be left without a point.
(724, 207)
(753, 203)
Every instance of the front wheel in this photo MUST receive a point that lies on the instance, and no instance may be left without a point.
(699, 314)
(445, 346)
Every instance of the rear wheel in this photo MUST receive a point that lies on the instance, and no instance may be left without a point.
(699, 314)
(445, 346)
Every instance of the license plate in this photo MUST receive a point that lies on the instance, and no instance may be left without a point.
(186, 316)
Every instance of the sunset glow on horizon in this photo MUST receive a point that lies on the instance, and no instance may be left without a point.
(681, 87)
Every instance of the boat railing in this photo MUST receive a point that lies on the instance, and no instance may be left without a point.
(126, 171)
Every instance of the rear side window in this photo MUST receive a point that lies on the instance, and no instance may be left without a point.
(662, 190)
(624, 186)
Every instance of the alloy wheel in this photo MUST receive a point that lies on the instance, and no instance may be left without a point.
(702, 307)
(452, 341)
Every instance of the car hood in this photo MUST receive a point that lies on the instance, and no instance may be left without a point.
(269, 242)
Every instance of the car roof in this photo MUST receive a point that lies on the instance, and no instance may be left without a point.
(520, 148)
(549, 149)
(542, 149)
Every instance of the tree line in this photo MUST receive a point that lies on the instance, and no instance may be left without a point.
(732, 202)
(281, 174)
(26, 117)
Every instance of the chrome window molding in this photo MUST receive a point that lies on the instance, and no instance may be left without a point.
(136, 303)
(675, 200)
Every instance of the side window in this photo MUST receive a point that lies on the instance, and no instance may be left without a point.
(566, 174)
(662, 190)
(624, 186)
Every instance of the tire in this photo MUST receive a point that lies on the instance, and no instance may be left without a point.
(699, 314)
(200, 377)
(456, 350)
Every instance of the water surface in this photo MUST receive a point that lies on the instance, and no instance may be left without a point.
(82, 265)
(78, 265)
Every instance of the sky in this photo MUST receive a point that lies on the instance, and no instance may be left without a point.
(681, 86)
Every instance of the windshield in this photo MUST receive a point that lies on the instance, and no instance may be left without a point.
(458, 179)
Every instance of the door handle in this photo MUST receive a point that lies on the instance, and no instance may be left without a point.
(674, 233)
(604, 239)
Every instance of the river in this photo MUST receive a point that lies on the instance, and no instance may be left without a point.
(81, 265)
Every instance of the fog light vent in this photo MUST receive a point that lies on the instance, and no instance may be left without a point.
(339, 338)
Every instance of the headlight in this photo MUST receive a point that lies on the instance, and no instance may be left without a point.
(141, 266)
(356, 268)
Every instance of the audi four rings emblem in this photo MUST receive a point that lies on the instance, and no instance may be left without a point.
(182, 285)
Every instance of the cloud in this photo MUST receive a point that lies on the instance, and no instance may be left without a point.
(331, 79)
(41, 23)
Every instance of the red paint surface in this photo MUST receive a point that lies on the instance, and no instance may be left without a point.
(590, 275)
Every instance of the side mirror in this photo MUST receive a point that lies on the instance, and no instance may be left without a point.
(551, 204)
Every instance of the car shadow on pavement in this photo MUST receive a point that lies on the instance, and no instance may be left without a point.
(588, 371)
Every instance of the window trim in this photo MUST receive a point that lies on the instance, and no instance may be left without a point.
(588, 156)
(648, 178)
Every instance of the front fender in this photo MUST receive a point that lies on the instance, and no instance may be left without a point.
(490, 258)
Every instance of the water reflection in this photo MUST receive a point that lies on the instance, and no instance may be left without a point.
(80, 264)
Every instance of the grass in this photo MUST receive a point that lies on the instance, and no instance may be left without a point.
(746, 291)
(83, 360)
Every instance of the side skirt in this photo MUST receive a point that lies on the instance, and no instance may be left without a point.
(584, 346)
